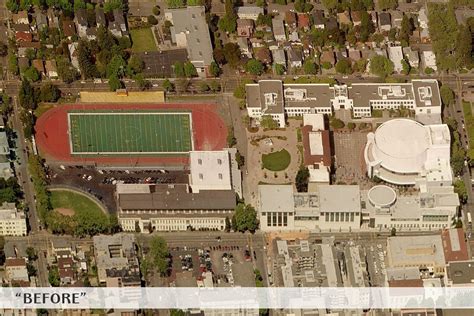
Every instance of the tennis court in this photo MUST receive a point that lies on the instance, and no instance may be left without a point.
(118, 133)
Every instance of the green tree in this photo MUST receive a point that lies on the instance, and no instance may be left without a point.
(406, 30)
(254, 67)
(85, 59)
(301, 180)
(152, 20)
(279, 69)
(337, 123)
(310, 67)
(351, 126)
(66, 70)
(203, 87)
(405, 67)
(214, 85)
(168, 85)
(27, 95)
(13, 62)
(49, 93)
(387, 4)
(447, 95)
(381, 66)
(31, 254)
(330, 4)
(268, 122)
(156, 10)
(245, 218)
(228, 23)
(13, 6)
(53, 277)
(111, 5)
(264, 20)
(460, 189)
(179, 69)
(30, 269)
(367, 27)
(159, 254)
(116, 67)
(173, 4)
(343, 66)
(214, 69)
(32, 74)
(3, 49)
(190, 70)
(135, 65)
(115, 83)
(464, 49)
(231, 52)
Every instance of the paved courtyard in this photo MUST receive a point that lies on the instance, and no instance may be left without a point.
(280, 139)
(349, 158)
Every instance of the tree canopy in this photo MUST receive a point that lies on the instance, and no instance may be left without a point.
(381, 66)
(245, 218)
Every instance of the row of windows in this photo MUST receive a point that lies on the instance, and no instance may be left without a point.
(187, 221)
(413, 225)
(339, 217)
(175, 212)
(277, 219)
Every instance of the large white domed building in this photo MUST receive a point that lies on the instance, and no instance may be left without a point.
(403, 151)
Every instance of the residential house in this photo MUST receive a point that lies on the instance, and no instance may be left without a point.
(100, 19)
(62, 248)
(354, 54)
(243, 43)
(249, 12)
(23, 37)
(118, 27)
(66, 271)
(385, 23)
(295, 58)
(12, 220)
(279, 57)
(15, 270)
(396, 17)
(278, 29)
(41, 20)
(244, 27)
(423, 23)
(20, 18)
(80, 17)
(331, 24)
(341, 54)
(356, 17)
(318, 19)
(412, 56)
(303, 21)
(327, 56)
(263, 54)
(380, 51)
(53, 20)
(344, 18)
(429, 60)
(290, 19)
(68, 28)
(32, 45)
(73, 55)
(395, 54)
(38, 64)
(198, 41)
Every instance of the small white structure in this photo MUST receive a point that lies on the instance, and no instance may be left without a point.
(395, 54)
(429, 60)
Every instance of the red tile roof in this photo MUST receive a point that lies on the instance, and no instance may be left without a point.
(23, 36)
(15, 262)
(303, 20)
(309, 159)
(458, 251)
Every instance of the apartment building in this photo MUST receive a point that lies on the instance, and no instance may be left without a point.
(12, 221)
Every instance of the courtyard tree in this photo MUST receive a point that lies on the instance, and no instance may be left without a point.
(301, 180)
(254, 67)
(343, 66)
(268, 122)
(381, 66)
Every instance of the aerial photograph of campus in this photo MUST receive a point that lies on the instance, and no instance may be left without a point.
(149, 147)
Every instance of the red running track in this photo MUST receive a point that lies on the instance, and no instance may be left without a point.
(52, 135)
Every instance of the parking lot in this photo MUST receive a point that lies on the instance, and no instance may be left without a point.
(101, 183)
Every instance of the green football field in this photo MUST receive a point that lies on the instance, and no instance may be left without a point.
(115, 133)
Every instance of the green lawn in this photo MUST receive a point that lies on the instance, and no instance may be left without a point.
(42, 108)
(74, 201)
(119, 133)
(276, 161)
(143, 40)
